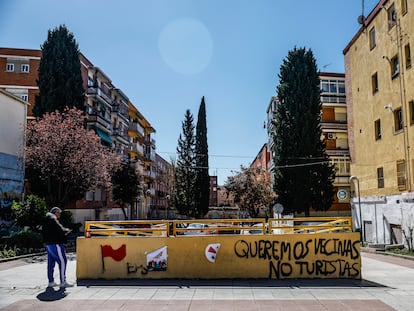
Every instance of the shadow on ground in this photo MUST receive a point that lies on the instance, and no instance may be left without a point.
(291, 283)
(50, 294)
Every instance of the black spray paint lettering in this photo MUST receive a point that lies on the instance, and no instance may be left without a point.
(268, 250)
(318, 268)
(133, 268)
(345, 248)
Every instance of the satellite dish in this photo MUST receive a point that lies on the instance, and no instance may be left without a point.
(361, 19)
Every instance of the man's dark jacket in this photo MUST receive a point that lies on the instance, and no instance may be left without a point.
(53, 232)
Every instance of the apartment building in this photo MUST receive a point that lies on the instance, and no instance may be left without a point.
(380, 100)
(13, 111)
(110, 114)
(164, 185)
(213, 200)
(334, 132)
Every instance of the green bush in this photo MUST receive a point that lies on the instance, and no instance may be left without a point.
(7, 252)
(24, 240)
(31, 212)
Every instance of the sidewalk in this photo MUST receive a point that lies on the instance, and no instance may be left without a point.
(388, 284)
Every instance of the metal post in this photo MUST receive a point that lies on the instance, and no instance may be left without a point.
(166, 206)
(351, 179)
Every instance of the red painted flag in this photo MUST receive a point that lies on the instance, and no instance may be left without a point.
(115, 254)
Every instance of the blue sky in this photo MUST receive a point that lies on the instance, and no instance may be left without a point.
(166, 54)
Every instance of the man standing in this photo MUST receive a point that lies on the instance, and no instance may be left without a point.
(54, 236)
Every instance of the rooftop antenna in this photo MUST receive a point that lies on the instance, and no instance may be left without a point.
(361, 18)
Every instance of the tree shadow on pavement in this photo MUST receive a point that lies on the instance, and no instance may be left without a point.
(50, 294)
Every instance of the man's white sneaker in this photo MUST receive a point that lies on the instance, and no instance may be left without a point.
(52, 284)
(66, 284)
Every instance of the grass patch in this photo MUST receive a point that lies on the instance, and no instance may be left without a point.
(403, 251)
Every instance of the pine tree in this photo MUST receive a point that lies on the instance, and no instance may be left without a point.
(303, 175)
(184, 173)
(59, 76)
(202, 184)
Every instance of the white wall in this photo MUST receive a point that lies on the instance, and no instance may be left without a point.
(384, 212)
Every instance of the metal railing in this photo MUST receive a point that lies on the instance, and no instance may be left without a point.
(146, 228)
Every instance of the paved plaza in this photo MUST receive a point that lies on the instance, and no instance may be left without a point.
(387, 284)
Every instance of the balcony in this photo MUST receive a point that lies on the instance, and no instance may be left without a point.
(98, 92)
(121, 110)
(337, 152)
(334, 125)
(136, 127)
(99, 117)
(149, 141)
(120, 135)
(136, 147)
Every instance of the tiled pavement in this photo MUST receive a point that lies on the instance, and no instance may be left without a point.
(388, 284)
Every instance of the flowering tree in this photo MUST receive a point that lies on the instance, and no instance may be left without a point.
(251, 190)
(64, 160)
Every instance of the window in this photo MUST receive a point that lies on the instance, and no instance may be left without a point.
(372, 41)
(395, 67)
(25, 68)
(380, 177)
(374, 82)
(25, 97)
(411, 106)
(398, 120)
(341, 87)
(333, 86)
(403, 6)
(407, 56)
(9, 67)
(325, 86)
(392, 16)
(401, 175)
(377, 125)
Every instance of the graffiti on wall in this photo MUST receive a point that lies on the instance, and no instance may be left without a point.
(116, 254)
(315, 257)
(156, 260)
(211, 252)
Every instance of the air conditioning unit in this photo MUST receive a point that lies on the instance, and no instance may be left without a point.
(331, 136)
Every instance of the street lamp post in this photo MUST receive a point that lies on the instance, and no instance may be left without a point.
(352, 179)
(148, 202)
(166, 206)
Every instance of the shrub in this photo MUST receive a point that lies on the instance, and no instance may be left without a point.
(30, 213)
(24, 240)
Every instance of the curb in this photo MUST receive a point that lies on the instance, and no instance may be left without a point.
(21, 257)
(385, 253)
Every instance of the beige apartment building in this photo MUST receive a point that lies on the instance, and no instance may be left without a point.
(380, 97)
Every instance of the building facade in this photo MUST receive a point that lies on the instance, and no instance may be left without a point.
(380, 96)
(111, 115)
(13, 111)
(213, 201)
(335, 134)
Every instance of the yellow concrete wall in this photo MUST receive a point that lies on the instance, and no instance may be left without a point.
(248, 256)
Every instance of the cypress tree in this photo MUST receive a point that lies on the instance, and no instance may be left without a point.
(59, 75)
(184, 173)
(202, 185)
(303, 175)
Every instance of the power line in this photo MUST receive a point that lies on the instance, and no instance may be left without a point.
(213, 155)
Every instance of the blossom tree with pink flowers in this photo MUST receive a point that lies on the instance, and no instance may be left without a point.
(64, 160)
